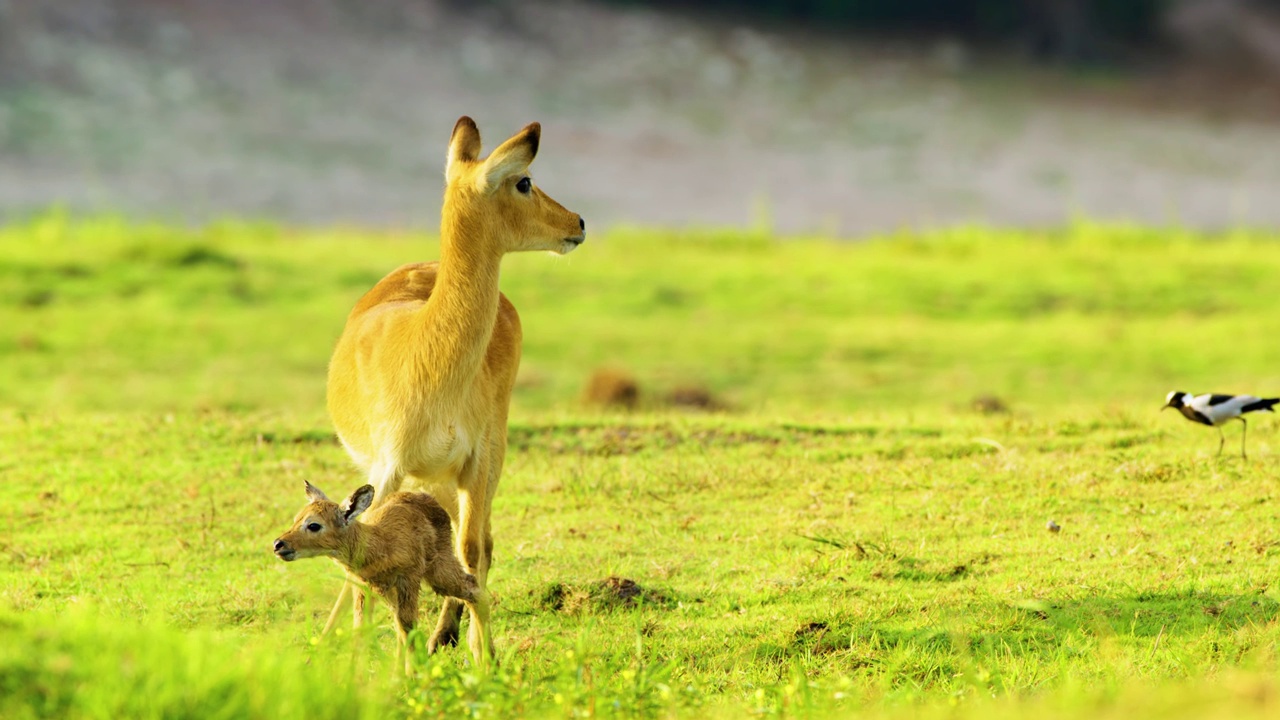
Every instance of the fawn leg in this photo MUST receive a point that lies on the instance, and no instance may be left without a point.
(337, 606)
(406, 609)
(459, 587)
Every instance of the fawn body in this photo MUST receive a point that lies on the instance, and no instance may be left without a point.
(400, 545)
(420, 380)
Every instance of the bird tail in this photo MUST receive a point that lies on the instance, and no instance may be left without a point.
(1264, 404)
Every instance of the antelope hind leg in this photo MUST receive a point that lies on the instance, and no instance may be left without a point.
(446, 632)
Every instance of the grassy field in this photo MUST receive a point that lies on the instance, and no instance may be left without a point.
(854, 535)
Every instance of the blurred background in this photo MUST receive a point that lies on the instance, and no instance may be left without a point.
(805, 116)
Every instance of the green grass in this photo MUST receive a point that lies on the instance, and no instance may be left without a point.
(852, 537)
(104, 314)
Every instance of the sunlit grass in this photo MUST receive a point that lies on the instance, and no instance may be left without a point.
(104, 314)
(853, 535)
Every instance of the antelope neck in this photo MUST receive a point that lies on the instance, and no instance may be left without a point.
(355, 547)
(458, 318)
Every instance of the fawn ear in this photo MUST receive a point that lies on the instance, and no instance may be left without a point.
(464, 147)
(314, 494)
(358, 502)
(512, 157)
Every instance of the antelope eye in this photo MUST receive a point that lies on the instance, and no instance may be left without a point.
(524, 185)
(314, 527)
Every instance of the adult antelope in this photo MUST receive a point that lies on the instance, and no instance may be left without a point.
(420, 381)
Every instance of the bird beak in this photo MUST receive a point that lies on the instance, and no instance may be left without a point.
(1166, 407)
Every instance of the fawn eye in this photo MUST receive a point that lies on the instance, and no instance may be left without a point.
(314, 527)
(524, 185)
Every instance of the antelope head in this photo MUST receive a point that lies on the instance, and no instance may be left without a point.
(494, 204)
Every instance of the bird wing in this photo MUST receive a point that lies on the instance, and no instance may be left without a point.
(1194, 415)
(1221, 407)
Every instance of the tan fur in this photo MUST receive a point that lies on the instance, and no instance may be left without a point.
(421, 379)
(404, 542)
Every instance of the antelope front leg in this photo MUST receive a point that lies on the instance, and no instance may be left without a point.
(461, 590)
(337, 607)
(355, 589)
(451, 615)
(478, 637)
(447, 627)
(446, 632)
(358, 596)
(475, 546)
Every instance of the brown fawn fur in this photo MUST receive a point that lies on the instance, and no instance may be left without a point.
(404, 542)
(420, 381)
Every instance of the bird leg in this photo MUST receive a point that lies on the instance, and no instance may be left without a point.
(1221, 439)
(1243, 434)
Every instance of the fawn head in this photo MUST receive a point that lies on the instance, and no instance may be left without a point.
(494, 203)
(320, 528)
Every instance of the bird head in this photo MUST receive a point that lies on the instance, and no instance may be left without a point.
(1175, 400)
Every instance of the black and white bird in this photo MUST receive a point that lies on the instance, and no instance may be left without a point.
(1215, 410)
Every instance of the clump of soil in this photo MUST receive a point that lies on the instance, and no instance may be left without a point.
(818, 638)
(989, 405)
(624, 590)
(813, 628)
(695, 397)
(611, 387)
(600, 596)
(615, 388)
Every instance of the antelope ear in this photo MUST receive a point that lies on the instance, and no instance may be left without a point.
(512, 157)
(358, 502)
(464, 147)
(314, 494)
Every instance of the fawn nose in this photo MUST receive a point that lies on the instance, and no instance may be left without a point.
(279, 546)
(582, 224)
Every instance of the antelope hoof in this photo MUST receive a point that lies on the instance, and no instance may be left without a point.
(443, 637)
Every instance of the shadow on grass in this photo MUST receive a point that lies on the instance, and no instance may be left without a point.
(1151, 614)
(1045, 634)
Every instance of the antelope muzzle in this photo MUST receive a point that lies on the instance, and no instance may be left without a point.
(283, 551)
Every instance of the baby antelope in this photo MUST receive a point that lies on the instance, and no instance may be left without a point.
(404, 542)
